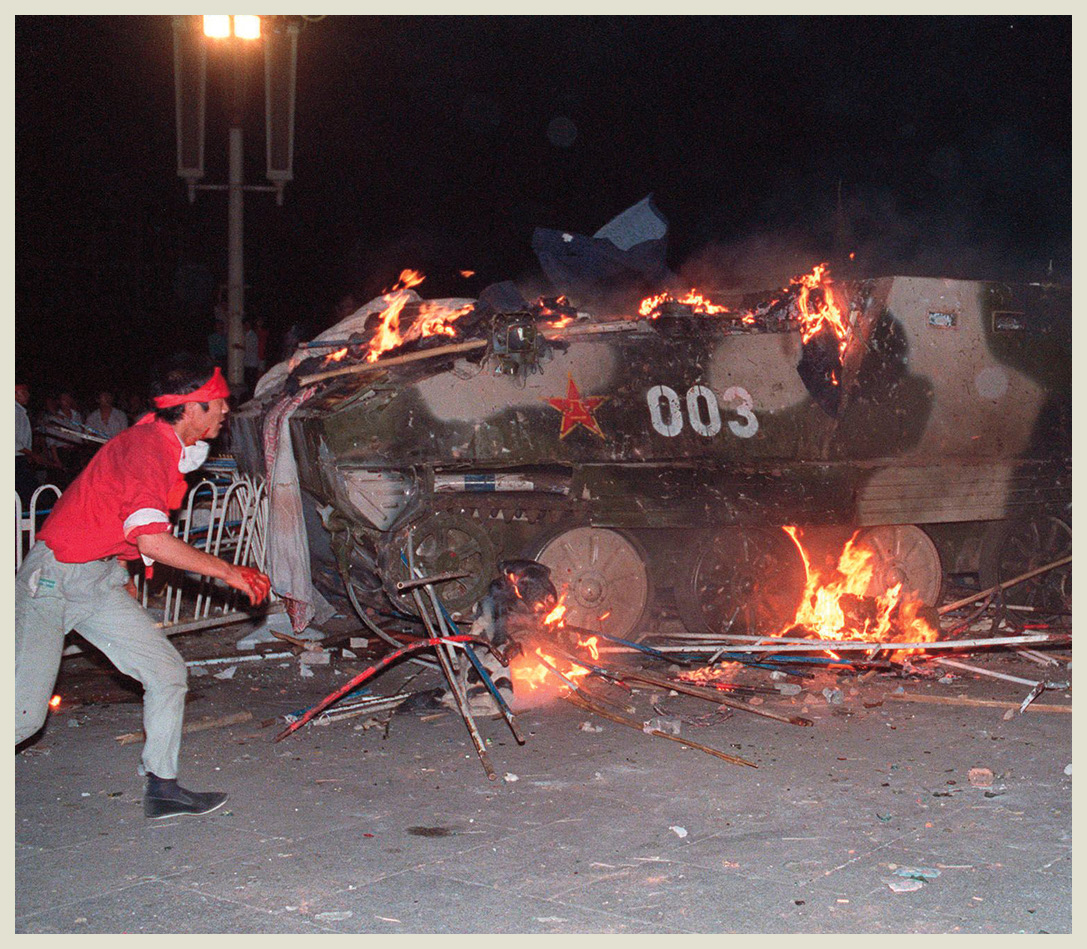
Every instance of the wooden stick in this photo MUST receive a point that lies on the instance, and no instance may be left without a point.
(980, 703)
(587, 330)
(235, 718)
(391, 361)
(947, 608)
(619, 720)
(712, 695)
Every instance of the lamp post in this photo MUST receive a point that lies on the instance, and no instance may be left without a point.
(190, 73)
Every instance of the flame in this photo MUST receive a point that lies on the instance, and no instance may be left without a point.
(590, 644)
(822, 310)
(336, 356)
(54, 702)
(467, 273)
(529, 675)
(407, 280)
(693, 298)
(432, 320)
(822, 609)
(555, 616)
(709, 675)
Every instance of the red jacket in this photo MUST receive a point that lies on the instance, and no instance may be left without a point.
(128, 489)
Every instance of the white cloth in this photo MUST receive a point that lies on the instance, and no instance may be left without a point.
(287, 545)
(24, 434)
(116, 424)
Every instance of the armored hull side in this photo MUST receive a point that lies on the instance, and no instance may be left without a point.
(949, 404)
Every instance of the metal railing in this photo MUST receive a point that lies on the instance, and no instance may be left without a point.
(226, 519)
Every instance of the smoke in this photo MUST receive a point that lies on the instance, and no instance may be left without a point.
(866, 234)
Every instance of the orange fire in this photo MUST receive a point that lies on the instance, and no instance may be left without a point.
(822, 607)
(694, 298)
(822, 311)
(407, 280)
(529, 675)
(54, 702)
(432, 320)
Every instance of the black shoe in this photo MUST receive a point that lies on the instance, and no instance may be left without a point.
(166, 798)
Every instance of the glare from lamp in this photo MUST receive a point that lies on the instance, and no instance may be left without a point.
(247, 27)
(217, 27)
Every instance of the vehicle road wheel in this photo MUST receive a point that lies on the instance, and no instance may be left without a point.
(741, 580)
(442, 543)
(903, 553)
(1016, 547)
(604, 577)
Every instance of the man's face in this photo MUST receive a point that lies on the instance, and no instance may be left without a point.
(105, 400)
(22, 395)
(210, 423)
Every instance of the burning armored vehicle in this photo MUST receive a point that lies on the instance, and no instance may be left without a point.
(650, 459)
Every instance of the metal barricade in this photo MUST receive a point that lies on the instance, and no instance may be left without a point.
(26, 524)
(225, 518)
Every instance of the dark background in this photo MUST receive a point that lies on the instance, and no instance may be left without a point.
(937, 146)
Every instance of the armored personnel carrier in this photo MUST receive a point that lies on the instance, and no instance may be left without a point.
(650, 459)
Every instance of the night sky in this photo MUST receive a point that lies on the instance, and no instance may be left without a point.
(938, 146)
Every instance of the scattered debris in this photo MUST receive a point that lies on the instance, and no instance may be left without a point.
(981, 778)
(833, 696)
(589, 727)
(335, 916)
(1068, 769)
(680, 832)
(227, 673)
(509, 777)
(234, 718)
(903, 886)
(980, 703)
(669, 726)
(923, 874)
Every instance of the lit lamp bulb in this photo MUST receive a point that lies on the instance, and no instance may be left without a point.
(247, 27)
(217, 27)
(220, 27)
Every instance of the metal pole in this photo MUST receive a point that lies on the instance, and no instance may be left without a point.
(235, 273)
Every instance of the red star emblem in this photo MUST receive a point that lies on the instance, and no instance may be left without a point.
(576, 410)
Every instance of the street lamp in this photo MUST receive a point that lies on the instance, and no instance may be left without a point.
(236, 34)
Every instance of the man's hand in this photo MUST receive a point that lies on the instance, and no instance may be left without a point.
(167, 549)
(251, 582)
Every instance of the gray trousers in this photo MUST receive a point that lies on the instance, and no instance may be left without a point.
(52, 598)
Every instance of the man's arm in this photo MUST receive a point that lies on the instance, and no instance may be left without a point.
(165, 548)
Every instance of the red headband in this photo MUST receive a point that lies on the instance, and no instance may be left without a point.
(215, 388)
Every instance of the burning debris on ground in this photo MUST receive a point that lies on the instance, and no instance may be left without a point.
(521, 625)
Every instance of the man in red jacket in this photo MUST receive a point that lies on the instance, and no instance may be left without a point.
(118, 509)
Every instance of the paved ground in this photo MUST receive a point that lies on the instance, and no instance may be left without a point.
(596, 828)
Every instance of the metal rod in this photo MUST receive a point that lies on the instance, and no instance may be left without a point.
(507, 712)
(620, 720)
(712, 695)
(1003, 586)
(447, 667)
(575, 687)
(769, 644)
(403, 586)
(368, 673)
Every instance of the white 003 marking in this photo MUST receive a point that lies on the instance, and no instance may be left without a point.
(704, 414)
